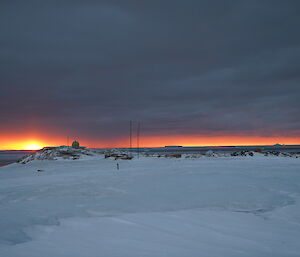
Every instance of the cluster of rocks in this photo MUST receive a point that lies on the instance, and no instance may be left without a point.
(117, 155)
(243, 153)
(173, 155)
(265, 153)
(209, 153)
(282, 154)
(168, 155)
(53, 153)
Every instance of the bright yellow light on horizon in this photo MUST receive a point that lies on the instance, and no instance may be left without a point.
(32, 145)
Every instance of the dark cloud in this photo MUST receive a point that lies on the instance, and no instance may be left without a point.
(177, 66)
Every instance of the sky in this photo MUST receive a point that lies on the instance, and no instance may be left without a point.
(191, 72)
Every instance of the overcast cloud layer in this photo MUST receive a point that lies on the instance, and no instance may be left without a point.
(177, 66)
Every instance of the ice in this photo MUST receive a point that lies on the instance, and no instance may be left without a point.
(230, 206)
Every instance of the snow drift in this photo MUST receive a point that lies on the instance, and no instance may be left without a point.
(235, 206)
(54, 153)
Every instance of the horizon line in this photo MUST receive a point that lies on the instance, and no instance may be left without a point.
(166, 146)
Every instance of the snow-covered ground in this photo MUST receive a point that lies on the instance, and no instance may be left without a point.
(208, 206)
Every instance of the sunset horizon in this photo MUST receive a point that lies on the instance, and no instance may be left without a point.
(152, 141)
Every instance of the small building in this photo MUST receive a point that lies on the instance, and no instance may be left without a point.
(75, 144)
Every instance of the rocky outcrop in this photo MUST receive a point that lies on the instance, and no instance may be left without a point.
(54, 153)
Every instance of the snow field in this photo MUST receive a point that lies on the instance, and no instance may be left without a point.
(233, 206)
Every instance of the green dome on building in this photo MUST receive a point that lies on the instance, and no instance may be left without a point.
(75, 144)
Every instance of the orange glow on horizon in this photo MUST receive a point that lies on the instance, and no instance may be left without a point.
(23, 145)
(26, 142)
(35, 143)
(193, 141)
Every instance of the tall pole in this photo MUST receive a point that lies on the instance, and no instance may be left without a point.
(138, 138)
(130, 136)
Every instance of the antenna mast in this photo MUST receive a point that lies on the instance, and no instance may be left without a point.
(130, 136)
(138, 138)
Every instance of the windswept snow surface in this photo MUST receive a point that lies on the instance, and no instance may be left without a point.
(230, 206)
